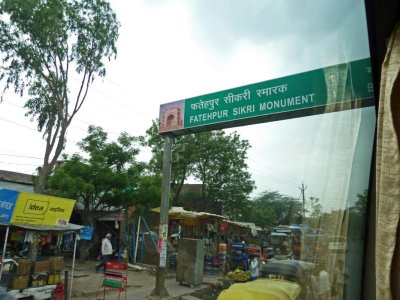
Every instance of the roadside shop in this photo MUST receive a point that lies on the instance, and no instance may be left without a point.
(32, 227)
(197, 225)
(220, 235)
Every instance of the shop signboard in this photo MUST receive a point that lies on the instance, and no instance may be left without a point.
(36, 209)
(8, 198)
(86, 233)
(334, 88)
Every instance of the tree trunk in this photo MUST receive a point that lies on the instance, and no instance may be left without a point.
(39, 188)
(85, 245)
(41, 180)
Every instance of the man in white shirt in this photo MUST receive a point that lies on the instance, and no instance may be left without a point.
(254, 268)
(321, 283)
(324, 285)
(106, 252)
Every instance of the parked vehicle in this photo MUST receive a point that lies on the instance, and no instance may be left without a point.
(277, 238)
(262, 289)
(291, 270)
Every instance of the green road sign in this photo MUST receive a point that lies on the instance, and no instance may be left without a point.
(334, 88)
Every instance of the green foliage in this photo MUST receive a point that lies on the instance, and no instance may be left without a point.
(110, 176)
(148, 194)
(358, 216)
(216, 160)
(271, 209)
(360, 207)
(44, 42)
(314, 212)
(221, 167)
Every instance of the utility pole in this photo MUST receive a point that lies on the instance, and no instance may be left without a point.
(302, 189)
(160, 291)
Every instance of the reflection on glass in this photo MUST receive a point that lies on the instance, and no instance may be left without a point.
(314, 198)
(311, 173)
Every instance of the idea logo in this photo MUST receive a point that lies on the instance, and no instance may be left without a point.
(36, 207)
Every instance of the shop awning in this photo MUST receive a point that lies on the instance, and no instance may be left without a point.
(252, 226)
(177, 212)
(69, 227)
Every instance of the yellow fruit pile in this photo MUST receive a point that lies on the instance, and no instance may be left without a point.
(239, 275)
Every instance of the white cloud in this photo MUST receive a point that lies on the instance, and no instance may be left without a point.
(172, 50)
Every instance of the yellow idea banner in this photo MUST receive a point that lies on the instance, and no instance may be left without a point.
(36, 209)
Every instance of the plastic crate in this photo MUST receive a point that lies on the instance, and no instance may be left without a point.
(41, 266)
(112, 282)
(24, 266)
(20, 282)
(111, 265)
(54, 278)
(56, 263)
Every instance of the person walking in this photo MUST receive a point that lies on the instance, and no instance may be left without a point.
(254, 268)
(106, 252)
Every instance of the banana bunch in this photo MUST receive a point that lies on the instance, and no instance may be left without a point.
(239, 275)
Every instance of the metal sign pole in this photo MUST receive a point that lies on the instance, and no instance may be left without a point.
(73, 265)
(163, 229)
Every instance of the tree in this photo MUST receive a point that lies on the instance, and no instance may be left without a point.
(148, 193)
(183, 150)
(358, 216)
(42, 43)
(272, 208)
(360, 207)
(315, 212)
(216, 160)
(108, 178)
(222, 169)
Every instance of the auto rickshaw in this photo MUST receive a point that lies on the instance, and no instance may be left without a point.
(280, 280)
(262, 289)
(291, 270)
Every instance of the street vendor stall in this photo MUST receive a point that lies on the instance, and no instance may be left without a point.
(199, 225)
(210, 228)
(35, 222)
(216, 232)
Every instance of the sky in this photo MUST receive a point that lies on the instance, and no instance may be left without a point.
(173, 50)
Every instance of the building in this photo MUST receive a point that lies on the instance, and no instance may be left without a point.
(16, 181)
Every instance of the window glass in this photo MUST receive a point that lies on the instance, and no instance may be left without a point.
(321, 161)
(311, 166)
